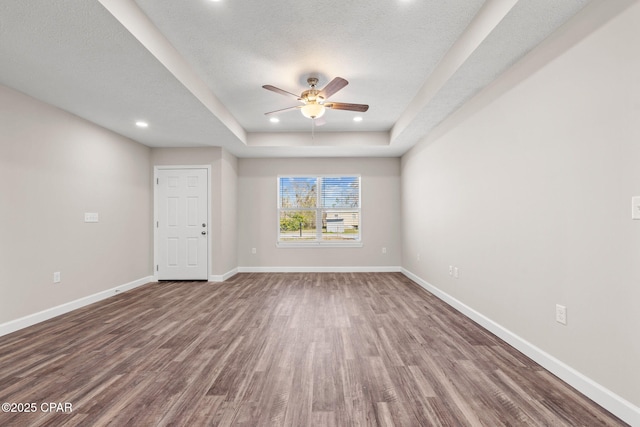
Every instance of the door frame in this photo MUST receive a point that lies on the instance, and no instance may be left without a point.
(157, 168)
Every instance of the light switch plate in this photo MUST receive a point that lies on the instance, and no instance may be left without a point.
(561, 314)
(635, 207)
(90, 217)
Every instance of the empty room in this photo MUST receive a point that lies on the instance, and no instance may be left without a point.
(320, 213)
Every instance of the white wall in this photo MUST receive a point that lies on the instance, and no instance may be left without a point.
(258, 224)
(531, 199)
(54, 167)
(223, 198)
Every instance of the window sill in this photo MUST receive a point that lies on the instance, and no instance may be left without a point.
(319, 245)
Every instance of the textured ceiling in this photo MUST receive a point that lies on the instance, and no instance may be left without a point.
(75, 55)
(195, 69)
(383, 48)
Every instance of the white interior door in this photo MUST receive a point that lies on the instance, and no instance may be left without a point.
(182, 229)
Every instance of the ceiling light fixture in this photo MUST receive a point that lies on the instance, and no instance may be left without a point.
(274, 120)
(313, 110)
(142, 124)
(357, 119)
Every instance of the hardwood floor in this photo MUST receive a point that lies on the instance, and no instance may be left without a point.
(309, 349)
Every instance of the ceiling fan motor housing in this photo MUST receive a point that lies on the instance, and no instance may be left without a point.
(311, 96)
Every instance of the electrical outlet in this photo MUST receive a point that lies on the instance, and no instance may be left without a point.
(91, 217)
(384, 250)
(56, 277)
(418, 256)
(561, 314)
(456, 272)
(254, 251)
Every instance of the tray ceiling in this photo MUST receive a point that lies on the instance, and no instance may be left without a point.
(194, 69)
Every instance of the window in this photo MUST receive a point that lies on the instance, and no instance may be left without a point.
(319, 210)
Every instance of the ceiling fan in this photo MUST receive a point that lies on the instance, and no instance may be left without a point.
(314, 101)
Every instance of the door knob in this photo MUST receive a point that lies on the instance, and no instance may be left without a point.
(204, 225)
(204, 232)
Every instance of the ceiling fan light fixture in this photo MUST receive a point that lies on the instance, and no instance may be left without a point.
(314, 100)
(313, 110)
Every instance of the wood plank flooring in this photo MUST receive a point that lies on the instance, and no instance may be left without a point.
(323, 349)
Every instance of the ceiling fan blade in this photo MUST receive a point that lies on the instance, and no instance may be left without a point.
(333, 86)
(283, 109)
(280, 91)
(345, 106)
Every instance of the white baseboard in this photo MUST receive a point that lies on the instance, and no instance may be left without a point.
(223, 277)
(371, 269)
(32, 319)
(615, 404)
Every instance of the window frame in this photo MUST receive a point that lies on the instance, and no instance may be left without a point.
(318, 209)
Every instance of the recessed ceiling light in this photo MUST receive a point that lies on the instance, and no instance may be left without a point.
(142, 124)
(274, 120)
(357, 119)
